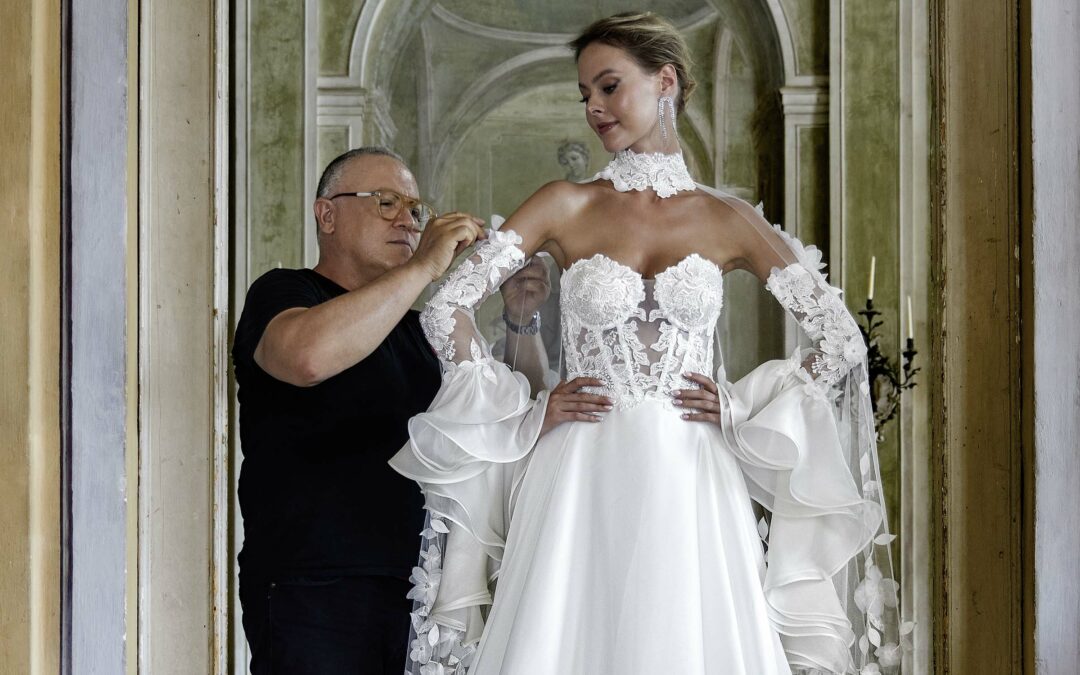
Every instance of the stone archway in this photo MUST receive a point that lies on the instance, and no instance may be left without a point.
(529, 61)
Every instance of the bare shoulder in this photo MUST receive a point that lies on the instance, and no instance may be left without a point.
(739, 224)
(721, 204)
(542, 219)
(565, 195)
(729, 209)
(559, 204)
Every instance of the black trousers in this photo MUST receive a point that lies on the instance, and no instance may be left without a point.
(325, 626)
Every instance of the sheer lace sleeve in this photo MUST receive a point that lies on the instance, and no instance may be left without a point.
(794, 274)
(448, 319)
(803, 430)
(802, 290)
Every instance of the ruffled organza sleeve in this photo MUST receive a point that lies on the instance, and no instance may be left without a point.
(803, 431)
(468, 452)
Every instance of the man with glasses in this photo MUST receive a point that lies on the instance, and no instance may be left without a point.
(331, 363)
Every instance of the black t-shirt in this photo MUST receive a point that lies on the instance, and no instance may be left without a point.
(316, 492)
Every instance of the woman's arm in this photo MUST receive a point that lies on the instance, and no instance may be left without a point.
(448, 319)
(793, 274)
(523, 295)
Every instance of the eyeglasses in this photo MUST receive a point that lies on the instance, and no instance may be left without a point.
(391, 203)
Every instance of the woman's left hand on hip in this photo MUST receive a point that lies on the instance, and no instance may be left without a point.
(702, 405)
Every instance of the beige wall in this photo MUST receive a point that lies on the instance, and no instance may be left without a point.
(29, 337)
(183, 318)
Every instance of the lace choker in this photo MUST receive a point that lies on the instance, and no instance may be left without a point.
(665, 174)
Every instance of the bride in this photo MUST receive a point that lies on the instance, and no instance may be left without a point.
(615, 511)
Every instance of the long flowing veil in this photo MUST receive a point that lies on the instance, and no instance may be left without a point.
(865, 582)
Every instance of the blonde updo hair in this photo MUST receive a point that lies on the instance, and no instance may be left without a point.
(650, 40)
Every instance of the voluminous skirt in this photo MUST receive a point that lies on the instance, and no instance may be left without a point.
(633, 549)
(630, 545)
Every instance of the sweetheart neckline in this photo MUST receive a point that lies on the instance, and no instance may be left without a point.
(639, 275)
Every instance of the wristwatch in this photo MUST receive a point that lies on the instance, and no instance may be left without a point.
(531, 328)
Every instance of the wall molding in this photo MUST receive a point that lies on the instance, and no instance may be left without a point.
(975, 359)
(183, 245)
(98, 166)
(914, 419)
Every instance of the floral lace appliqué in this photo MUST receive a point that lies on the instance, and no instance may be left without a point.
(436, 649)
(604, 321)
(495, 258)
(601, 306)
(690, 294)
(825, 319)
(665, 174)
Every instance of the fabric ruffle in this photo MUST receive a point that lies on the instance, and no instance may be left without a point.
(468, 452)
(784, 433)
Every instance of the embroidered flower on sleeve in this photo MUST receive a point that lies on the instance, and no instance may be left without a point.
(495, 259)
(823, 316)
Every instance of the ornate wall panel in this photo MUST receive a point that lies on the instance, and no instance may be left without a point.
(273, 142)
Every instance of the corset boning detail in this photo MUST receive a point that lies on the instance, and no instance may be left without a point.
(638, 336)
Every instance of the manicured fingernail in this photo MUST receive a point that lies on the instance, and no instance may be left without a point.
(685, 416)
(608, 407)
(678, 401)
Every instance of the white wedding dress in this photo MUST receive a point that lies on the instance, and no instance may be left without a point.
(630, 546)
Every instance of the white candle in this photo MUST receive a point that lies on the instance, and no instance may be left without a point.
(873, 273)
(910, 321)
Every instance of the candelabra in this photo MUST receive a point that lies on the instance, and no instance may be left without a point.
(888, 381)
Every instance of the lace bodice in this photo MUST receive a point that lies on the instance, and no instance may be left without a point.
(637, 335)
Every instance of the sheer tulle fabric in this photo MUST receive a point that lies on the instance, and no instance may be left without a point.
(633, 546)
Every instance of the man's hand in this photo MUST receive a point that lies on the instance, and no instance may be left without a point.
(524, 292)
(444, 238)
(567, 403)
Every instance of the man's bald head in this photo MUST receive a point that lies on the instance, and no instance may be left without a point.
(334, 170)
(357, 240)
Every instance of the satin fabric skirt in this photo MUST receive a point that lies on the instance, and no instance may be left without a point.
(633, 549)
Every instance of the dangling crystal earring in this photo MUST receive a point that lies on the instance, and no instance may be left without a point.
(662, 109)
(665, 104)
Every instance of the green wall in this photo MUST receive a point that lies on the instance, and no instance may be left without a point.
(871, 185)
(275, 127)
(337, 25)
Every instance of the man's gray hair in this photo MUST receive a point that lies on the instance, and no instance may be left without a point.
(336, 167)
